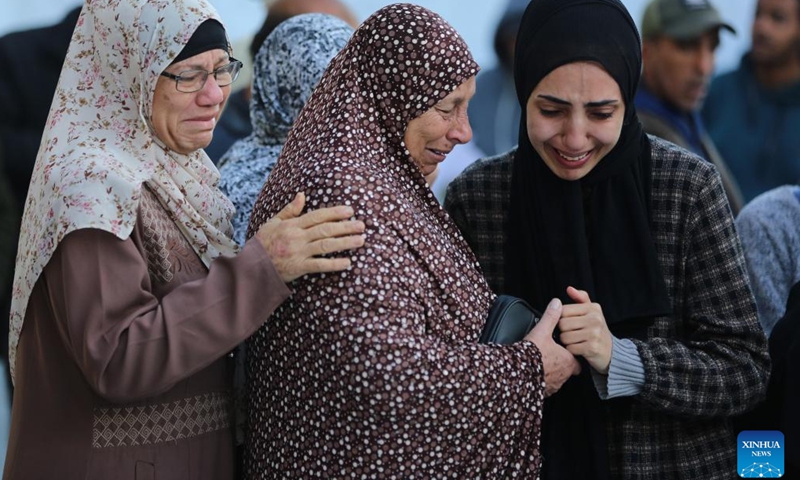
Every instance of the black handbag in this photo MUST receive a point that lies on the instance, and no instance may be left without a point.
(510, 319)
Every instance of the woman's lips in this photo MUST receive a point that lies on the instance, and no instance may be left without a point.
(206, 122)
(439, 155)
(576, 158)
(572, 160)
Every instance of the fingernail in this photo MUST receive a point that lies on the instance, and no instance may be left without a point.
(554, 304)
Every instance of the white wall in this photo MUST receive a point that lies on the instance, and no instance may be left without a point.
(475, 19)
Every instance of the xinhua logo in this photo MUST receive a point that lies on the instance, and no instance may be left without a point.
(760, 454)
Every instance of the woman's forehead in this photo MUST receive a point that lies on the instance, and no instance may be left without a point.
(202, 60)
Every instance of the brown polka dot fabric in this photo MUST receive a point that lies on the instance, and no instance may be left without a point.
(376, 372)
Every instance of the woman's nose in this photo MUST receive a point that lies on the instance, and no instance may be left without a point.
(461, 132)
(211, 94)
(575, 133)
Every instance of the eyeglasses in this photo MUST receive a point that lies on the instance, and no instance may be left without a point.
(189, 81)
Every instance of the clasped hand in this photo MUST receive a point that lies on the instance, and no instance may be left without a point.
(583, 333)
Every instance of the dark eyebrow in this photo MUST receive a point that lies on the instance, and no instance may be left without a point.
(599, 103)
(222, 58)
(555, 99)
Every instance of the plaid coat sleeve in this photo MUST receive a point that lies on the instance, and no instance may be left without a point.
(708, 359)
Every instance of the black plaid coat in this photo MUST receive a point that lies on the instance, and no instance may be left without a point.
(706, 362)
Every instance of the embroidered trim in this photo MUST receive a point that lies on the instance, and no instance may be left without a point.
(155, 229)
(166, 248)
(152, 424)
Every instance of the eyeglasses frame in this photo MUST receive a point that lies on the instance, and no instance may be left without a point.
(178, 77)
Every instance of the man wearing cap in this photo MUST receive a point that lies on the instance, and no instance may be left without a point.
(753, 113)
(679, 40)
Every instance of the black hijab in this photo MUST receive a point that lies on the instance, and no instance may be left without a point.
(593, 233)
(210, 35)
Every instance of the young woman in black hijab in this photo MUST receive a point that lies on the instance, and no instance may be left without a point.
(633, 232)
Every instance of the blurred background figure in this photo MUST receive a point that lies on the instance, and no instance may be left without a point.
(679, 43)
(779, 411)
(32, 62)
(287, 68)
(494, 111)
(753, 113)
(285, 9)
(9, 228)
(769, 227)
(235, 121)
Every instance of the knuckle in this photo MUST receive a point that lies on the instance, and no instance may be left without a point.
(326, 230)
(325, 246)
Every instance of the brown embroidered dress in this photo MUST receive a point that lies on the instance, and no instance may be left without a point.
(121, 371)
(375, 372)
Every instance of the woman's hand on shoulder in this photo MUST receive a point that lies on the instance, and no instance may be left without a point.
(584, 331)
(295, 242)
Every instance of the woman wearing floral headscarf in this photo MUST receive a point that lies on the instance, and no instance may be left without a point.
(376, 371)
(286, 69)
(638, 237)
(129, 286)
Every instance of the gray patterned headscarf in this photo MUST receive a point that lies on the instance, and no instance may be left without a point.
(287, 68)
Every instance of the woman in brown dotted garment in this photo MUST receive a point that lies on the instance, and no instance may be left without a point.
(376, 372)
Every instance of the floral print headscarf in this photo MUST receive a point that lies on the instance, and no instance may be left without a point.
(98, 147)
(287, 67)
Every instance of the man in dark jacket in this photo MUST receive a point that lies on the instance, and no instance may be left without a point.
(9, 230)
(679, 43)
(31, 62)
(753, 113)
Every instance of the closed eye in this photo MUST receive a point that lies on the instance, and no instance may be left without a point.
(190, 75)
(549, 113)
(602, 115)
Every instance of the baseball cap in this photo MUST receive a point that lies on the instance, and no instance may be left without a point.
(681, 19)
